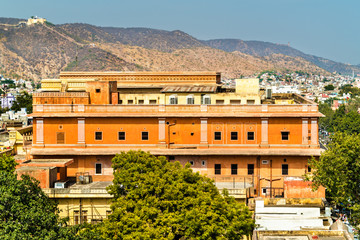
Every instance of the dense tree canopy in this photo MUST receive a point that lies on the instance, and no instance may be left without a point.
(25, 211)
(329, 87)
(7, 163)
(156, 199)
(24, 100)
(338, 170)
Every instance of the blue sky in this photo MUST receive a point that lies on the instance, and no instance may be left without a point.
(326, 28)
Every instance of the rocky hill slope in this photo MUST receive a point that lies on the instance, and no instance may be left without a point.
(262, 49)
(42, 51)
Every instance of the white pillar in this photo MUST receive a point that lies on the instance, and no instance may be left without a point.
(81, 130)
(162, 130)
(204, 131)
(305, 130)
(264, 131)
(314, 131)
(40, 131)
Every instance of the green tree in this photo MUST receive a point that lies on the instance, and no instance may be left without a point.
(7, 163)
(156, 199)
(24, 100)
(338, 170)
(25, 211)
(325, 109)
(329, 87)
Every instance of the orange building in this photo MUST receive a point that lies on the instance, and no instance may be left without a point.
(248, 140)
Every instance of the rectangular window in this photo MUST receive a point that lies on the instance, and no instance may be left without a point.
(144, 135)
(130, 101)
(98, 168)
(234, 169)
(190, 100)
(217, 169)
(207, 100)
(217, 136)
(285, 169)
(77, 217)
(235, 102)
(219, 101)
(98, 135)
(309, 169)
(171, 158)
(250, 102)
(284, 136)
(250, 169)
(141, 101)
(152, 101)
(120, 101)
(60, 138)
(234, 136)
(121, 135)
(250, 136)
(98, 90)
(173, 100)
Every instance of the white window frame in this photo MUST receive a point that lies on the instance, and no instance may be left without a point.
(191, 98)
(174, 98)
(206, 99)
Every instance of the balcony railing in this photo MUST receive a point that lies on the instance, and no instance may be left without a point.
(232, 182)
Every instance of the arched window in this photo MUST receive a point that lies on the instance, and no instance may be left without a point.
(205, 99)
(190, 99)
(173, 99)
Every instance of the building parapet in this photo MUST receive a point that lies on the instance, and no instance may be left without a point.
(309, 110)
(77, 193)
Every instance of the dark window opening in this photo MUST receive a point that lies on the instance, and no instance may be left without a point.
(234, 135)
(60, 138)
(285, 169)
(98, 168)
(141, 102)
(171, 158)
(250, 169)
(309, 169)
(121, 135)
(97, 90)
(234, 169)
(285, 136)
(98, 135)
(144, 135)
(217, 169)
(217, 136)
(250, 136)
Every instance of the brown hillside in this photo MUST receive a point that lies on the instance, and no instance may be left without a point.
(42, 51)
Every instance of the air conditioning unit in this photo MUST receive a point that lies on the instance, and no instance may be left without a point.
(60, 184)
(265, 162)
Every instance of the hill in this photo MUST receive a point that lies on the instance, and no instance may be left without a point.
(262, 49)
(42, 51)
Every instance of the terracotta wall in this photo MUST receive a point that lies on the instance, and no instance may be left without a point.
(300, 189)
(186, 131)
(46, 176)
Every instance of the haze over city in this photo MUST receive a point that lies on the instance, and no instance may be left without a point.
(325, 28)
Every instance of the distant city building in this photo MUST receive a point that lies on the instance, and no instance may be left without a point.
(7, 100)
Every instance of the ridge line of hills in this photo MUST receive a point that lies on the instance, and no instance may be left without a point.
(42, 51)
